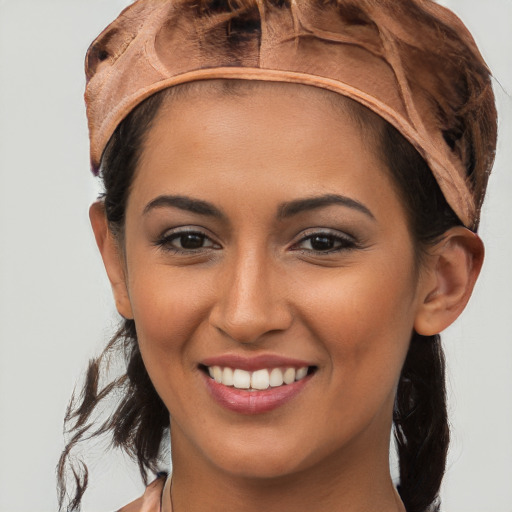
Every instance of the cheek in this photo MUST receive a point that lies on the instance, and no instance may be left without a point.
(169, 306)
(364, 319)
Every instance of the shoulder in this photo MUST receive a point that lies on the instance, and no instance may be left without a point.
(150, 501)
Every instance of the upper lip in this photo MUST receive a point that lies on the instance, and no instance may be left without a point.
(254, 363)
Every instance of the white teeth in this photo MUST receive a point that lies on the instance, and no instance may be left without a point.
(276, 377)
(217, 374)
(289, 375)
(258, 380)
(241, 379)
(227, 377)
(301, 373)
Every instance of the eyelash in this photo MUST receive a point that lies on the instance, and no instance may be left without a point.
(344, 242)
(165, 242)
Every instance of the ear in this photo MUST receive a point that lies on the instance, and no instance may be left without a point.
(452, 268)
(112, 258)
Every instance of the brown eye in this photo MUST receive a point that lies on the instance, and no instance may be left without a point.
(322, 243)
(185, 241)
(190, 241)
(325, 243)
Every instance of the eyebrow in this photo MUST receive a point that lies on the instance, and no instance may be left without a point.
(285, 210)
(184, 203)
(312, 203)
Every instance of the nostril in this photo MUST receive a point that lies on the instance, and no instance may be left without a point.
(249, 324)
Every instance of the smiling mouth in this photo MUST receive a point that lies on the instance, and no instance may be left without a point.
(258, 380)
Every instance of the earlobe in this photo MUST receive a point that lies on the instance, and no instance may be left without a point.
(452, 269)
(112, 258)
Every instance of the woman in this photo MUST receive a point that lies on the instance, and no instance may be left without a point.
(292, 192)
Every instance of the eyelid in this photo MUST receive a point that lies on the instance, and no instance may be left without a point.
(163, 241)
(348, 241)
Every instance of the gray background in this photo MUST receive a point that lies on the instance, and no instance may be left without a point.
(55, 305)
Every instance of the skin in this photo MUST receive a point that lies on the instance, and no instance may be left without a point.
(258, 286)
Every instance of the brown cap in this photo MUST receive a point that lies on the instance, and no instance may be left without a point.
(412, 62)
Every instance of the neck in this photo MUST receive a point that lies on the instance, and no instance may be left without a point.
(345, 483)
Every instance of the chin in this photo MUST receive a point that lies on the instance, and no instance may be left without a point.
(263, 466)
(269, 455)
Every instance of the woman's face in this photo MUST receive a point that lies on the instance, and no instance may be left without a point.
(265, 241)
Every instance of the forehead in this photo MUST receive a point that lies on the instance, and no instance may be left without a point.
(292, 95)
(237, 135)
(297, 110)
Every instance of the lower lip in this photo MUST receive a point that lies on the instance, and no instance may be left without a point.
(254, 402)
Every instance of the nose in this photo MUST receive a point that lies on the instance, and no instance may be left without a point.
(251, 300)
